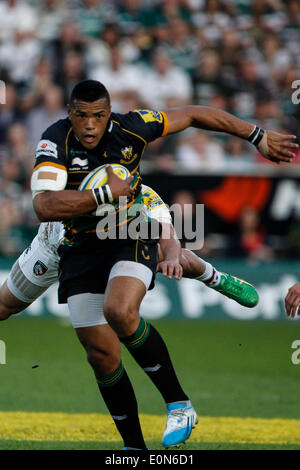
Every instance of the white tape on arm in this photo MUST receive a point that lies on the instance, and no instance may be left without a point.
(48, 178)
(263, 145)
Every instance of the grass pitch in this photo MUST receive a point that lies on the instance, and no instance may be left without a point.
(239, 376)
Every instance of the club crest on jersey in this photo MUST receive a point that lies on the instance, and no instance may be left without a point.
(127, 154)
(39, 268)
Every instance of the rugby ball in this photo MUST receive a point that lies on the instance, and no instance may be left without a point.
(98, 177)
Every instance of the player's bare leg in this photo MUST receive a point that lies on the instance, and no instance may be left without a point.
(102, 347)
(9, 304)
(121, 308)
(103, 350)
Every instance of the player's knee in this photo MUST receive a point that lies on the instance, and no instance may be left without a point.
(119, 314)
(103, 361)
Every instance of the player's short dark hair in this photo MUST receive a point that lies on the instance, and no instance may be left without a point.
(89, 91)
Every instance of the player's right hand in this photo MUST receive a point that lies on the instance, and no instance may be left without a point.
(278, 147)
(292, 301)
(118, 186)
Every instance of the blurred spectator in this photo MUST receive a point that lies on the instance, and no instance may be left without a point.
(52, 14)
(250, 240)
(69, 38)
(212, 19)
(208, 79)
(19, 47)
(44, 116)
(238, 156)
(277, 59)
(41, 82)
(17, 17)
(248, 85)
(268, 113)
(119, 78)
(72, 72)
(165, 82)
(20, 152)
(9, 112)
(183, 46)
(133, 15)
(91, 16)
(198, 150)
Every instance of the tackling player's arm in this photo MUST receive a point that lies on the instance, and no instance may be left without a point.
(170, 247)
(171, 251)
(272, 145)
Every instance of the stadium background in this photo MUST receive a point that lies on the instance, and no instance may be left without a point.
(241, 56)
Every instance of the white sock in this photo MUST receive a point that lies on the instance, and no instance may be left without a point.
(210, 274)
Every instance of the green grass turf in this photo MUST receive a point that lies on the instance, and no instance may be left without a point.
(88, 445)
(227, 369)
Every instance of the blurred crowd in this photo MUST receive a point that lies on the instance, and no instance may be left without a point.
(238, 55)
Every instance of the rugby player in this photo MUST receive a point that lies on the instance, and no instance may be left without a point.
(117, 273)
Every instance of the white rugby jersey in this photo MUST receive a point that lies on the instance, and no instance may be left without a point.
(51, 234)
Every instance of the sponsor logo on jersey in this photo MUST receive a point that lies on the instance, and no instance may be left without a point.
(150, 115)
(39, 268)
(46, 148)
(78, 153)
(152, 200)
(79, 162)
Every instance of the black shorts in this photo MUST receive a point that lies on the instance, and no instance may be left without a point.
(86, 268)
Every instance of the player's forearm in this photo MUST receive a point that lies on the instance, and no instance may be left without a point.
(60, 205)
(219, 121)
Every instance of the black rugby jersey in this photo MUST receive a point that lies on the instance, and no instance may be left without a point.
(123, 142)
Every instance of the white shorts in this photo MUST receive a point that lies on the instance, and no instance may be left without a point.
(86, 310)
(35, 270)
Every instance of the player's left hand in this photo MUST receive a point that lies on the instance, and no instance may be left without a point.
(278, 147)
(292, 301)
(170, 268)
